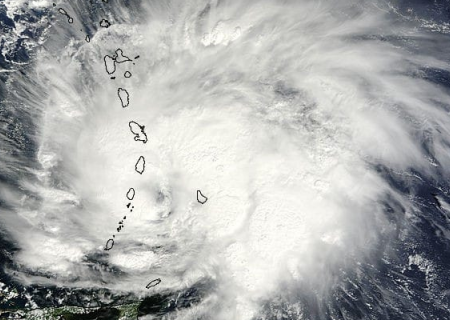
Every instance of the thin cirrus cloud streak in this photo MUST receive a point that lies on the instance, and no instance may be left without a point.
(279, 112)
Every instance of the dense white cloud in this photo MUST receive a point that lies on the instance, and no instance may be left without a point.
(277, 111)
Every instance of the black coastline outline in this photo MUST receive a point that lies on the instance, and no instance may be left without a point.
(120, 57)
(64, 13)
(117, 57)
(109, 244)
(104, 23)
(200, 193)
(153, 283)
(106, 64)
(140, 135)
(140, 160)
(130, 194)
(127, 95)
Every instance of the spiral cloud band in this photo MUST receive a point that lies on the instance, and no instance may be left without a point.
(315, 132)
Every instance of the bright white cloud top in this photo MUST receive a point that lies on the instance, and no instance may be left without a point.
(292, 117)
